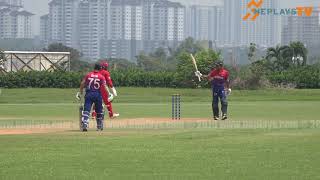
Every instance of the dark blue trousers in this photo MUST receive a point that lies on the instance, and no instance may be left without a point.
(219, 94)
(90, 98)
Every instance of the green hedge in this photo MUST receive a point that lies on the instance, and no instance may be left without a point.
(40, 79)
(306, 77)
(303, 77)
(134, 78)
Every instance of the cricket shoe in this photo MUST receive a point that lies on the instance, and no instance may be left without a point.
(224, 117)
(216, 118)
(115, 115)
(83, 127)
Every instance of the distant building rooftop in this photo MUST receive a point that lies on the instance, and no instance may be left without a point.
(23, 13)
(45, 16)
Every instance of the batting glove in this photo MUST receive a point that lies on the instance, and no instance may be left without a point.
(228, 91)
(78, 96)
(110, 98)
(198, 74)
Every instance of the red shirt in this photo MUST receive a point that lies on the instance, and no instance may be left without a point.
(106, 75)
(220, 77)
(94, 81)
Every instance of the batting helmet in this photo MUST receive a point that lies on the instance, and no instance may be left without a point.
(104, 65)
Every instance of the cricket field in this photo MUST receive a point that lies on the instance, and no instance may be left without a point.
(270, 134)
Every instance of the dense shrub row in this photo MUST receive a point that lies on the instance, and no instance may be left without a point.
(40, 79)
(302, 77)
(136, 78)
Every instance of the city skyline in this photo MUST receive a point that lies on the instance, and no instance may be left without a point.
(41, 7)
(114, 29)
(125, 28)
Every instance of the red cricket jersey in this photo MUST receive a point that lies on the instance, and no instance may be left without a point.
(220, 77)
(106, 75)
(94, 81)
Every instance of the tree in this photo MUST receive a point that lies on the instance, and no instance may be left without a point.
(276, 57)
(149, 63)
(190, 46)
(299, 53)
(162, 56)
(185, 69)
(254, 77)
(252, 52)
(160, 53)
(75, 55)
(285, 57)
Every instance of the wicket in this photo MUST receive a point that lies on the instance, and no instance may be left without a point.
(176, 107)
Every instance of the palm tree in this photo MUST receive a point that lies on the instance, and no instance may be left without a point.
(275, 56)
(299, 53)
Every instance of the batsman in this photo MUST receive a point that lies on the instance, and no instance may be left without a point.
(94, 83)
(219, 79)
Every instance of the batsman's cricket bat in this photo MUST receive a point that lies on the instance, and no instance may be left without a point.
(195, 65)
(194, 62)
(80, 114)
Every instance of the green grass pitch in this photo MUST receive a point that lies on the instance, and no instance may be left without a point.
(163, 153)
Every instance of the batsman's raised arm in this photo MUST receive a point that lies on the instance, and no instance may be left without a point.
(208, 77)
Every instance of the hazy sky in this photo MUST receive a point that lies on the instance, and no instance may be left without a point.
(40, 7)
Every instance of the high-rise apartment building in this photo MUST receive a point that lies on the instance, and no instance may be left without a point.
(265, 30)
(232, 22)
(15, 22)
(44, 29)
(303, 29)
(13, 4)
(115, 28)
(164, 24)
(63, 22)
(92, 15)
(204, 22)
(125, 37)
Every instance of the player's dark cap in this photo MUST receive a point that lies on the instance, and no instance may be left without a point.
(97, 67)
(218, 63)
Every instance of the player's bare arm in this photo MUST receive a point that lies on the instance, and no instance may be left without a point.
(209, 77)
(228, 84)
(82, 86)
